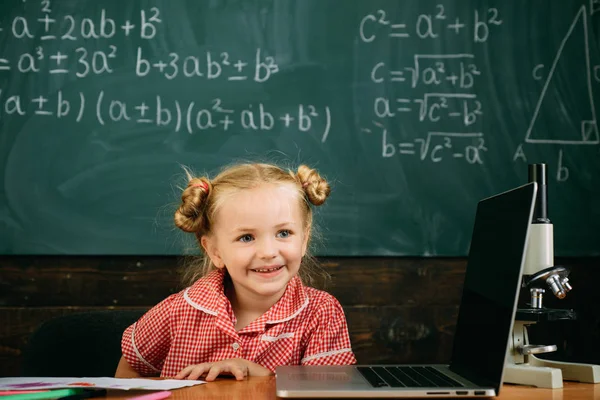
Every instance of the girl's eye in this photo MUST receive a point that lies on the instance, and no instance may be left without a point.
(245, 238)
(284, 233)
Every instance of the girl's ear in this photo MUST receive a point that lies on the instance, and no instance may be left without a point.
(211, 249)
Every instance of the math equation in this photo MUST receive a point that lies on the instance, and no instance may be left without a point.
(74, 48)
(437, 88)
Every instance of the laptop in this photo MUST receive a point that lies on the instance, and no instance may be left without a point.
(483, 329)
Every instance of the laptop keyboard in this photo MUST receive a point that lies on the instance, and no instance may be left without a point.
(406, 377)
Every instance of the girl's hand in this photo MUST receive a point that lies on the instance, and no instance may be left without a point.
(237, 367)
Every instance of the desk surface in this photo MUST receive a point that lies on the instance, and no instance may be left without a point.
(260, 388)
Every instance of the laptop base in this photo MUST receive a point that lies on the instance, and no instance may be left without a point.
(346, 381)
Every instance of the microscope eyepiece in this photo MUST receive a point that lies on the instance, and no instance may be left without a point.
(539, 173)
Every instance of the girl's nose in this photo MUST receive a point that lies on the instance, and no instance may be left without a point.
(267, 248)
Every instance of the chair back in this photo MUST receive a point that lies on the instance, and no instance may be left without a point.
(86, 344)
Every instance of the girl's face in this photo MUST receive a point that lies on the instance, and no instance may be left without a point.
(260, 237)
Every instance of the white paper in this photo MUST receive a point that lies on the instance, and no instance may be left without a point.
(100, 383)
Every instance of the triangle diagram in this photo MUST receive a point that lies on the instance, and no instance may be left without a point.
(565, 111)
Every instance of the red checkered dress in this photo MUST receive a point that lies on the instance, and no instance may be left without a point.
(305, 327)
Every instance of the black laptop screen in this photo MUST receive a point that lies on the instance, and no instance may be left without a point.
(491, 286)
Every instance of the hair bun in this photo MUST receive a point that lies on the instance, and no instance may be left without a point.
(189, 216)
(316, 187)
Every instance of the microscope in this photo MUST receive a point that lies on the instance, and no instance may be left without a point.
(541, 276)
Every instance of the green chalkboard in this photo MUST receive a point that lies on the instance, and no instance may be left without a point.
(414, 110)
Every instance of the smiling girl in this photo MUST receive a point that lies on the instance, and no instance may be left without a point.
(248, 309)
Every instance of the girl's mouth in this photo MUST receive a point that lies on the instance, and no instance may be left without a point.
(267, 270)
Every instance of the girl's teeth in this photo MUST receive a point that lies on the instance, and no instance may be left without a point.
(267, 270)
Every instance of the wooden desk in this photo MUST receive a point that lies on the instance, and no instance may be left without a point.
(258, 388)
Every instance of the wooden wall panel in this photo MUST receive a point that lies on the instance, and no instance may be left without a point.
(136, 281)
(398, 309)
(87, 281)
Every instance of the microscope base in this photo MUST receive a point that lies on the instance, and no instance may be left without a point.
(527, 374)
(580, 372)
(531, 370)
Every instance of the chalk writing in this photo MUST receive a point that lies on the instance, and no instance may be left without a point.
(97, 53)
(436, 146)
(436, 73)
(428, 26)
(191, 117)
(68, 27)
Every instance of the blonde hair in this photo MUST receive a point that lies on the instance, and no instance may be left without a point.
(202, 198)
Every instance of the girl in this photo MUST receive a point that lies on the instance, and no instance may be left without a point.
(248, 310)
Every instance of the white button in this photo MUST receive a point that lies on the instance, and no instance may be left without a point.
(235, 346)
